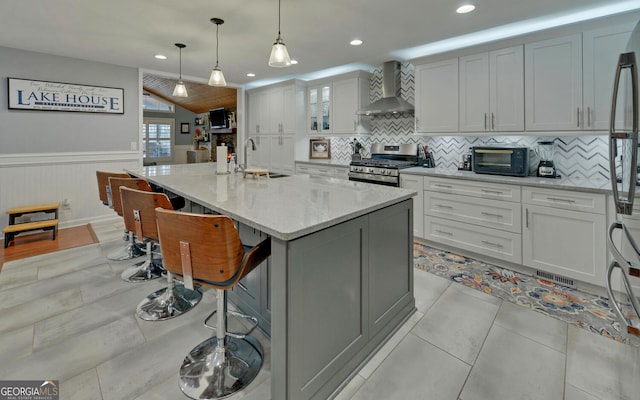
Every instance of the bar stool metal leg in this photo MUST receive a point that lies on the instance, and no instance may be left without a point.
(169, 302)
(128, 252)
(144, 271)
(222, 365)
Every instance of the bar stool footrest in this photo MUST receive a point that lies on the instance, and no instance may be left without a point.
(238, 335)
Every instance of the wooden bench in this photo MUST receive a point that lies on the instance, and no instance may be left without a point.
(14, 229)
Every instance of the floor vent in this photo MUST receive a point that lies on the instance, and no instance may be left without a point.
(563, 280)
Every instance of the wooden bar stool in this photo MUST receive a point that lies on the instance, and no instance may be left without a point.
(104, 193)
(132, 250)
(145, 270)
(174, 300)
(207, 250)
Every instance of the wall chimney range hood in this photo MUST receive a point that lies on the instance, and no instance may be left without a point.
(391, 102)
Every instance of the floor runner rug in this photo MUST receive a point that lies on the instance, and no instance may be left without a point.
(588, 311)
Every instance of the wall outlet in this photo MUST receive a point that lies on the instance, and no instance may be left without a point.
(66, 204)
(134, 146)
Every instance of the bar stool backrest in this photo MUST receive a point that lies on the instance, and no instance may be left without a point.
(211, 242)
(116, 183)
(103, 182)
(139, 211)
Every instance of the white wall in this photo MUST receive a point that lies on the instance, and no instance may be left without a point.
(51, 156)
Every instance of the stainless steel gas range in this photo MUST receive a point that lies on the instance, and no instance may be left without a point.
(384, 166)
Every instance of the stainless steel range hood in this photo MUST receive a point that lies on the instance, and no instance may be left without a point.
(391, 102)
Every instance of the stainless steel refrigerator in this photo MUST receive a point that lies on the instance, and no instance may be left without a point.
(623, 161)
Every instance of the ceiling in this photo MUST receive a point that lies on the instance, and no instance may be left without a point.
(202, 97)
(317, 33)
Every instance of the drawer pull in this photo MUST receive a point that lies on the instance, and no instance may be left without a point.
(491, 215)
(444, 232)
(491, 191)
(492, 244)
(443, 206)
(562, 200)
(442, 186)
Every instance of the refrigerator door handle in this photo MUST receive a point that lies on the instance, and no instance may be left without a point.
(620, 262)
(624, 203)
(626, 235)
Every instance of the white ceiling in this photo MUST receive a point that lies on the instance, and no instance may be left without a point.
(316, 32)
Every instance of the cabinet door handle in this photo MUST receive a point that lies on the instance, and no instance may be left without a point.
(485, 121)
(491, 215)
(589, 117)
(354, 126)
(493, 121)
(492, 244)
(491, 191)
(526, 219)
(444, 232)
(561, 200)
(578, 118)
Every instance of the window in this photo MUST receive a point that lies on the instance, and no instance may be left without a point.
(153, 103)
(157, 139)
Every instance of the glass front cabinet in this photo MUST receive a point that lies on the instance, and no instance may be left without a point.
(319, 109)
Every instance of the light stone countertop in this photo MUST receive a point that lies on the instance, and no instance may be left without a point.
(574, 184)
(333, 163)
(285, 208)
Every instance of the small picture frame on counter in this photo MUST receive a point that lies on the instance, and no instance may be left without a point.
(184, 128)
(320, 149)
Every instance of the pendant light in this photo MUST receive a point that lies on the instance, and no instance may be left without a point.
(217, 79)
(180, 90)
(279, 54)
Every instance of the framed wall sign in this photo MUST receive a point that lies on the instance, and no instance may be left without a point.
(184, 128)
(320, 149)
(25, 94)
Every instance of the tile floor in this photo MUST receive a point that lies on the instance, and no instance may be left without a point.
(68, 316)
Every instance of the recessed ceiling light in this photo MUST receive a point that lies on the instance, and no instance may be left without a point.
(160, 57)
(293, 62)
(467, 8)
(251, 74)
(355, 42)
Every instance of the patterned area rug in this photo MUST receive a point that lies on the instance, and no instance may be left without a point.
(573, 306)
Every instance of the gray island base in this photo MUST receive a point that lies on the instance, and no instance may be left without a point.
(339, 281)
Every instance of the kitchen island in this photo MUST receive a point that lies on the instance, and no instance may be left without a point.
(339, 280)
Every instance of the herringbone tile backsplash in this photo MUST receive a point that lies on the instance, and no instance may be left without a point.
(576, 156)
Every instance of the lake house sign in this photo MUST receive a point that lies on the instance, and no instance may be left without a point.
(55, 96)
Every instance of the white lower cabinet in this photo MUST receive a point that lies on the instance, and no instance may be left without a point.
(481, 217)
(565, 236)
(316, 169)
(415, 182)
(275, 153)
(261, 156)
(282, 152)
(488, 213)
(486, 241)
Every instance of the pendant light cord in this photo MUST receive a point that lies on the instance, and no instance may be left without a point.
(279, 18)
(217, 41)
(180, 63)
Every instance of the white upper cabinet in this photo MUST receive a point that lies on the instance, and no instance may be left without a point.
(349, 95)
(275, 107)
(437, 97)
(553, 84)
(492, 91)
(276, 110)
(258, 113)
(600, 58)
(319, 114)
